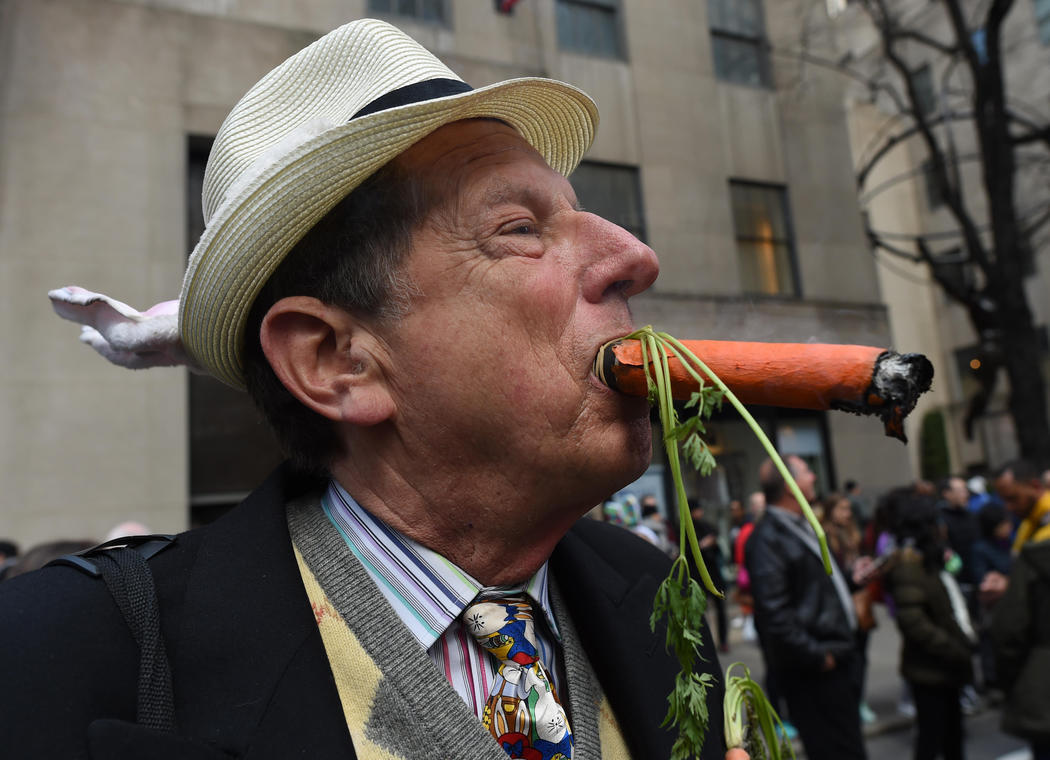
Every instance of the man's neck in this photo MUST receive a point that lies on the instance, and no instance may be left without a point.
(499, 540)
(789, 505)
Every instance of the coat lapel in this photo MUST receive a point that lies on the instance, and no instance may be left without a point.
(266, 674)
(611, 612)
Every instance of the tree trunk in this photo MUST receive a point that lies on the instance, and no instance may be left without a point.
(1023, 360)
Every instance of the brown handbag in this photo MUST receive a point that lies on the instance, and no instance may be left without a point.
(864, 607)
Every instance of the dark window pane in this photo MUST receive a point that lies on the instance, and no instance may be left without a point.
(1042, 19)
(231, 448)
(925, 91)
(739, 61)
(434, 10)
(588, 27)
(431, 11)
(612, 192)
(742, 17)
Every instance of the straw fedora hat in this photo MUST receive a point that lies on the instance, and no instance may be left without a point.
(311, 131)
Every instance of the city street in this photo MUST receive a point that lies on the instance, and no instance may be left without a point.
(890, 736)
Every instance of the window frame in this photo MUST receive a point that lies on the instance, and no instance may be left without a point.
(619, 36)
(757, 40)
(642, 231)
(789, 241)
(417, 16)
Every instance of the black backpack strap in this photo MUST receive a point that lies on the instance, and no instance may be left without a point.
(122, 563)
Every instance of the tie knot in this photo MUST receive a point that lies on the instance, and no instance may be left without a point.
(504, 627)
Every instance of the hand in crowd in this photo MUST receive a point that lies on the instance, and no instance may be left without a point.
(992, 587)
(864, 570)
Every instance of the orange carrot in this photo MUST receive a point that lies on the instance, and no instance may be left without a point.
(860, 379)
(737, 753)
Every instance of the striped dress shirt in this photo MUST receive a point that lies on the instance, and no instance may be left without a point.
(429, 593)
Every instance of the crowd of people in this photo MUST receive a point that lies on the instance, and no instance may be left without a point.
(962, 567)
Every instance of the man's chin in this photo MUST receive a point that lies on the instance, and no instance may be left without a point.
(636, 452)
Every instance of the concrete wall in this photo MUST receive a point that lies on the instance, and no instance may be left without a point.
(97, 98)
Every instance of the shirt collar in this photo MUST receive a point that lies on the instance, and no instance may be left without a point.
(427, 591)
(787, 514)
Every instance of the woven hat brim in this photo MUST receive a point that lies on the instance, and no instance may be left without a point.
(254, 230)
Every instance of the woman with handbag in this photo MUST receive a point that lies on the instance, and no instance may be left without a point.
(937, 636)
(844, 543)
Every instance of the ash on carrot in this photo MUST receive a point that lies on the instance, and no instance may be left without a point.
(859, 379)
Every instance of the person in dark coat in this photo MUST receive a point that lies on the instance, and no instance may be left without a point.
(937, 636)
(806, 621)
(991, 560)
(961, 525)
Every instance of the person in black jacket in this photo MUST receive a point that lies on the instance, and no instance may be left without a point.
(938, 638)
(806, 621)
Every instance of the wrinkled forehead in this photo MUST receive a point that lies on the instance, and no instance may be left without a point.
(474, 155)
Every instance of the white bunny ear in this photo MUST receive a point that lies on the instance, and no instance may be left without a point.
(123, 335)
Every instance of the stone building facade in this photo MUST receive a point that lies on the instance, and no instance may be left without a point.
(740, 180)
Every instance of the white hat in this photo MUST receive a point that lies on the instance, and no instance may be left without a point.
(311, 131)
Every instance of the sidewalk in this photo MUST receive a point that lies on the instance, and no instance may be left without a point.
(889, 737)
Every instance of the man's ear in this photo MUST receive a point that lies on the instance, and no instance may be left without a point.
(325, 357)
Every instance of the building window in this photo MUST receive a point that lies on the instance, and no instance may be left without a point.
(738, 42)
(936, 192)
(1042, 20)
(763, 238)
(611, 191)
(591, 27)
(427, 11)
(231, 448)
(925, 92)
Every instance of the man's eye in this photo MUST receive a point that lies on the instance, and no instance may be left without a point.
(521, 228)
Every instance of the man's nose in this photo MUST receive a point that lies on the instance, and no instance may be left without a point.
(620, 264)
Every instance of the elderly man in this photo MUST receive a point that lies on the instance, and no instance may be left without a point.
(398, 271)
(806, 621)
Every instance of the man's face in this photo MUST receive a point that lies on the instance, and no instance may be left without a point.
(1018, 496)
(516, 288)
(956, 494)
(806, 479)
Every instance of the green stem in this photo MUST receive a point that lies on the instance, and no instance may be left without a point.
(681, 352)
(668, 420)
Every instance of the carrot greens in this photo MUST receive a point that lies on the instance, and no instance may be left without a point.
(680, 598)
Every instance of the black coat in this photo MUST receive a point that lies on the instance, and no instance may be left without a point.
(251, 677)
(934, 650)
(963, 531)
(1021, 632)
(798, 613)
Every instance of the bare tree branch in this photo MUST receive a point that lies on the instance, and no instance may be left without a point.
(894, 140)
(938, 165)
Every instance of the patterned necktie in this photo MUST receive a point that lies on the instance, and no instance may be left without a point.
(523, 711)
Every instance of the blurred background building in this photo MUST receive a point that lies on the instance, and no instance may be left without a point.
(914, 210)
(734, 164)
